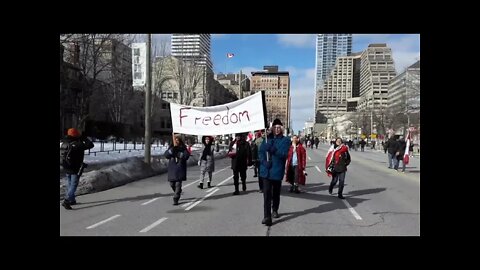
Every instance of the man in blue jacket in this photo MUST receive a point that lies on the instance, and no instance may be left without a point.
(273, 154)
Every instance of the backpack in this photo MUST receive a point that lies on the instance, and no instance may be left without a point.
(347, 158)
(65, 154)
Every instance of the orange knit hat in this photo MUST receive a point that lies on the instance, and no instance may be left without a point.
(73, 132)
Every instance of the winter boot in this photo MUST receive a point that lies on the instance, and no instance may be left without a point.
(340, 193)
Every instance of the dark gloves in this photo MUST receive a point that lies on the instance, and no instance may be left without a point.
(270, 148)
(267, 164)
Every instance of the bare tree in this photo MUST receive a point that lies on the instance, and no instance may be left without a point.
(407, 111)
(119, 83)
(188, 75)
(90, 53)
(160, 60)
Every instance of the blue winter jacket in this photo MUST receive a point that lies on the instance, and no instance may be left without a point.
(177, 164)
(274, 169)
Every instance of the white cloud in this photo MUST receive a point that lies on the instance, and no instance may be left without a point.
(297, 40)
(302, 96)
(405, 51)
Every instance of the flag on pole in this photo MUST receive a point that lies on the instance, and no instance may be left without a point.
(230, 55)
(406, 158)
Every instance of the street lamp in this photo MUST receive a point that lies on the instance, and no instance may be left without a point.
(405, 85)
(204, 86)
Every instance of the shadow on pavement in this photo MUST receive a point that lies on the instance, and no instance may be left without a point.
(136, 198)
(332, 204)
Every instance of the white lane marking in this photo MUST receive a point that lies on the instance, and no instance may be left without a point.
(103, 221)
(220, 170)
(219, 184)
(318, 169)
(198, 180)
(187, 203)
(312, 187)
(355, 214)
(309, 158)
(201, 200)
(153, 225)
(209, 190)
(152, 200)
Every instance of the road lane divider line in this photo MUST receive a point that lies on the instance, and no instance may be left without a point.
(153, 225)
(102, 222)
(355, 214)
(202, 199)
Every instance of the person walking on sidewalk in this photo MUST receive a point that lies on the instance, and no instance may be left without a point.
(296, 164)
(207, 161)
(273, 155)
(177, 155)
(392, 149)
(72, 153)
(241, 155)
(336, 162)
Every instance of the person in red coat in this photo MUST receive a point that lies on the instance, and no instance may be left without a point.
(296, 163)
(336, 162)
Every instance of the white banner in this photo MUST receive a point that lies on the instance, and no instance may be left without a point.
(239, 116)
(139, 63)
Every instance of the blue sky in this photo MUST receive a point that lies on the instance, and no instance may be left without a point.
(296, 53)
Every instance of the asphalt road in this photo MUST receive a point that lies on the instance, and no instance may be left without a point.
(379, 202)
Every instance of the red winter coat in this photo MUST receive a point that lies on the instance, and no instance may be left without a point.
(336, 152)
(302, 163)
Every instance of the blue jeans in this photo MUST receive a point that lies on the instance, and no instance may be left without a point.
(398, 164)
(391, 161)
(338, 177)
(72, 183)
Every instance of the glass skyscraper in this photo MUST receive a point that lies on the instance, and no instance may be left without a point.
(329, 47)
(193, 47)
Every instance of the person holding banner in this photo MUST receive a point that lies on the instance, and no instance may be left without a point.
(241, 155)
(177, 155)
(273, 156)
(207, 161)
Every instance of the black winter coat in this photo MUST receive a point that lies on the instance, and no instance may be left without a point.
(243, 158)
(177, 165)
(401, 148)
(392, 146)
(254, 149)
(78, 145)
(343, 162)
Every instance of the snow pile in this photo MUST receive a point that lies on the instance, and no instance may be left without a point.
(128, 170)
